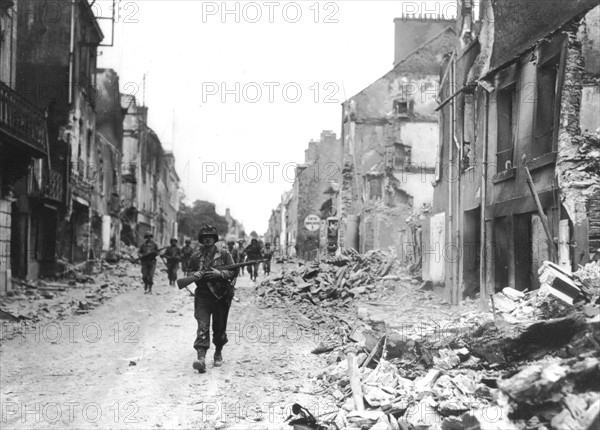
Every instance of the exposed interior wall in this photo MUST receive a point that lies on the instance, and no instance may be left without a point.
(578, 160)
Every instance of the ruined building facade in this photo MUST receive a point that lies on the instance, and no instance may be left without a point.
(61, 144)
(150, 194)
(313, 199)
(518, 182)
(235, 229)
(30, 195)
(390, 138)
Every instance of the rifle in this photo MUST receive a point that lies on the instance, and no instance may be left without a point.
(184, 282)
(151, 253)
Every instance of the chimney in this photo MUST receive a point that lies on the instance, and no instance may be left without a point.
(411, 32)
(227, 213)
(310, 154)
(328, 137)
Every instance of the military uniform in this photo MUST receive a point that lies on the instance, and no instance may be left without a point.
(254, 252)
(267, 255)
(240, 255)
(186, 254)
(173, 256)
(148, 263)
(212, 298)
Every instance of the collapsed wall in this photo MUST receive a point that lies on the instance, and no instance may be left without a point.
(578, 158)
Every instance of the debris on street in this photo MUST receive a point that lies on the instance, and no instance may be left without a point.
(43, 300)
(531, 369)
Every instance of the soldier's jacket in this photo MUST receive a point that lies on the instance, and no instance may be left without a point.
(146, 248)
(235, 254)
(267, 254)
(187, 251)
(206, 260)
(253, 251)
(172, 254)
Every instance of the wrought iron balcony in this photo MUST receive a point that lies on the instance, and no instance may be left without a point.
(54, 185)
(23, 123)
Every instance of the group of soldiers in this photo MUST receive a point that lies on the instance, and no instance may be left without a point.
(215, 281)
(254, 251)
(173, 255)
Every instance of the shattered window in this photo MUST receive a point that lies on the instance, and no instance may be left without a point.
(401, 108)
(402, 155)
(468, 152)
(375, 184)
(546, 106)
(506, 109)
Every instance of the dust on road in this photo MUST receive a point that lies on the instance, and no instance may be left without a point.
(128, 364)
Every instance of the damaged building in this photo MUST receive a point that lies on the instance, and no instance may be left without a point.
(519, 178)
(61, 145)
(150, 196)
(235, 228)
(31, 176)
(55, 73)
(314, 198)
(109, 138)
(390, 138)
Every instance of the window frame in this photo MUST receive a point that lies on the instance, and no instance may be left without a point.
(401, 102)
(546, 52)
(504, 80)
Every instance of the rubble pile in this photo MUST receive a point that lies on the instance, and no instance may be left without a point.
(532, 364)
(322, 293)
(57, 299)
(334, 282)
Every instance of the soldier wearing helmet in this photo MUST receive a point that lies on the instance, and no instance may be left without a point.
(267, 255)
(186, 254)
(213, 295)
(240, 255)
(254, 252)
(148, 252)
(173, 256)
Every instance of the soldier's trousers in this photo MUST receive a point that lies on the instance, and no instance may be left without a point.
(148, 272)
(172, 271)
(267, 267)
(185, 264)
(253, 270)
(204, 308)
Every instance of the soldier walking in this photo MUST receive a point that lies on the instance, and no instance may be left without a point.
(148, 252)
(267, 255)
(231, 249)
(253, 252)
(240, 255)
(213, 295)
(186, 254)
(173, 256)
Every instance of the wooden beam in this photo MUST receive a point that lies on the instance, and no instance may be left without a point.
(551, 245)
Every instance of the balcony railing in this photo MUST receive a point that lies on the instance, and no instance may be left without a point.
(22, 121)
(54, 186)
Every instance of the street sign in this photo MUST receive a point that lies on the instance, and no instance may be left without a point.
(312, 222)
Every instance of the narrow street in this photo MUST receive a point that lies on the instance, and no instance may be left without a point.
(128, 364)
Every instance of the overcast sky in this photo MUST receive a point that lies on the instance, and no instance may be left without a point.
(284, 74)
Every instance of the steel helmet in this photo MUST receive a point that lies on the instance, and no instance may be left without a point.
(208, 231)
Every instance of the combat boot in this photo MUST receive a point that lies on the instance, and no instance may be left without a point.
(218, 357)
(200, 363)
